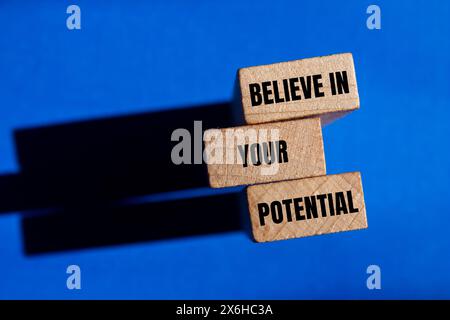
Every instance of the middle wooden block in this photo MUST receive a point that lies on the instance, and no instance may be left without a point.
(264, 152)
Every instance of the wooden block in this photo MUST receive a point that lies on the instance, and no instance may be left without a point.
(307, 207)
(323, 86)
(264, 153)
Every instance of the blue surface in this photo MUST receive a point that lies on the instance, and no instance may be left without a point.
(140, 56)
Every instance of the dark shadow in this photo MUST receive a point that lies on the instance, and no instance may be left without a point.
(74, 176)
(95, 226)
(106, 159)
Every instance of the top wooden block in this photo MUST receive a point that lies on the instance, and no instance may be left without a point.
(323, 86)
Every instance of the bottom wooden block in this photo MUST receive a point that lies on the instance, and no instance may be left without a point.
(307, 207)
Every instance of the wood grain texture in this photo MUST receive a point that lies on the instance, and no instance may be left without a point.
(299, 195)
(303, 147)
(329, 107)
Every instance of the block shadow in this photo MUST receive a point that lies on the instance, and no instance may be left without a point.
(74, 175)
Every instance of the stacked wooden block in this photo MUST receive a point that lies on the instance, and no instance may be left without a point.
(280, 152)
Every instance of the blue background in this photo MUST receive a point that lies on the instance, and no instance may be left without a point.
(140, 56)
